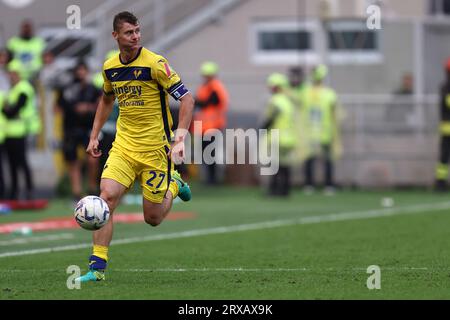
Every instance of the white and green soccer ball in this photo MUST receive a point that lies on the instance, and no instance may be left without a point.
(91, 213)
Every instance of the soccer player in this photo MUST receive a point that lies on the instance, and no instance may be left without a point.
(143, 148)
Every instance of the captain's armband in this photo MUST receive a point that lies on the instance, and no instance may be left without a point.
(178, 91)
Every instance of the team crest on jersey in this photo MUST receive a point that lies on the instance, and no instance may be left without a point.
(137, 73)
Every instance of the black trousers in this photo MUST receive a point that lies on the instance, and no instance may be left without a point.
(2, 177)
(444, 152)
(211, 169)
(105, 146)
(441, 174)
(328, 168)
(16, 153)
(280, 183)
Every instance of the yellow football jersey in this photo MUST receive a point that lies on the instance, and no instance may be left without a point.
(142, 87)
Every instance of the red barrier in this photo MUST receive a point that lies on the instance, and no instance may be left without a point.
(25, 204)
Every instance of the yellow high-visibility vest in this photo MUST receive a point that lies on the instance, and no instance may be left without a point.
(319, 104)
(2, 118)
(28, 53)
(27, 121)
(284, 120)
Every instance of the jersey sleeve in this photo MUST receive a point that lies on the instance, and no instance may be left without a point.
(169, 79)
(107, 87)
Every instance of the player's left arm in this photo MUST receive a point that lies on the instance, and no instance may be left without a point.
(172, 83)
(184, 121)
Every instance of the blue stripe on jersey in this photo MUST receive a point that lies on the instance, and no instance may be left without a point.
(162, 97)
(128, 74)
(178, 90)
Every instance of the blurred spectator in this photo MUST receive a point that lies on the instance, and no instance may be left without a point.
(27, 49)
(441, 173)
(2, 141)
(402, 107)
(440, 7)
(20, 111)
(297, 85)
(78, 103)
(279, 115)
(5, 58)
(321, 134)
(51, 76)
(212, 102)
(407, 85)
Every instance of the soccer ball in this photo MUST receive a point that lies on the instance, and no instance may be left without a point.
(91, 213)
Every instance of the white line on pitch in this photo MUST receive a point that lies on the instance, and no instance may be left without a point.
(53, 237)
(340, 269)
(251, 226)
(214, 270)
(238, 269)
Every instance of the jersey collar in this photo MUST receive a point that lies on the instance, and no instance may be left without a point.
(137, 56)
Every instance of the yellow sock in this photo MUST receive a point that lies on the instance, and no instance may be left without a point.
(101, 252)
(173, 187)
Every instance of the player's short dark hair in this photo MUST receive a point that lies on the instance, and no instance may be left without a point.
(122, 17)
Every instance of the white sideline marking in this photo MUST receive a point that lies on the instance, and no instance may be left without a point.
(53, 237)
(251, 226)
(215, 270)
(359, 269)
(266, 269)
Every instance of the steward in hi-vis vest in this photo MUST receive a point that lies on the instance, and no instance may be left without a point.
(212, 99)
(279, 116)
(28, 121)
(320, 123)
(19, 112)
(211, 102)
(27, 50)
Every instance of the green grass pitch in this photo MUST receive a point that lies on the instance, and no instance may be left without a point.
(243, 245)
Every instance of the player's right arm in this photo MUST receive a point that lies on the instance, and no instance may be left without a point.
(104, 109)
